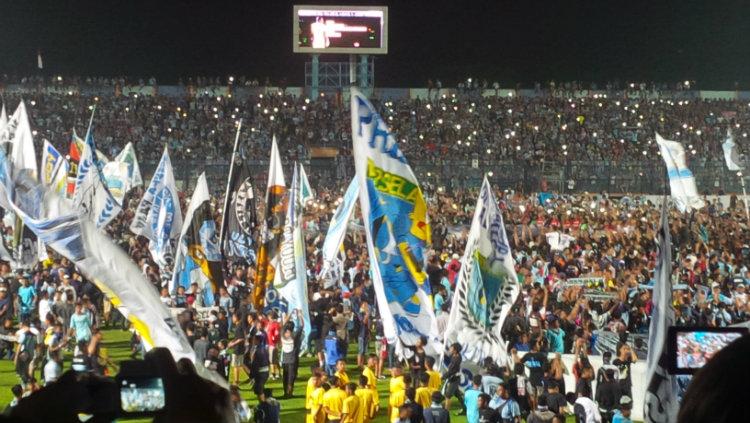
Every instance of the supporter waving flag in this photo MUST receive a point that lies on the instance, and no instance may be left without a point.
(159, 217)
(486, 286)
(273, 231)
(198, 256)
(290, 279)
(398, 233)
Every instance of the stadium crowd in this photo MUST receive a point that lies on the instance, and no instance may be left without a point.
(611, 125)
(52, 312)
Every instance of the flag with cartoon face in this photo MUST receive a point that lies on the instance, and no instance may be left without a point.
(398, 233)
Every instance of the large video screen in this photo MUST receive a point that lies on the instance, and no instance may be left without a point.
(340, 29)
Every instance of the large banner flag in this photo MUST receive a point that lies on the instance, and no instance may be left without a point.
(159, 217)
(17, 143)
(337, 228)
(731, 155)
(99, 259)
(127, 156)
(681, 180)
(240, 215)
(395, 219)
(92, 197)
(661, 403)
(198, 257)
(486, 287)
(290, 279)
(272, 232)
(18, 133)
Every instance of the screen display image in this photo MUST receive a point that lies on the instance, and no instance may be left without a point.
(326, 29)
(142, 395)
(695, 348)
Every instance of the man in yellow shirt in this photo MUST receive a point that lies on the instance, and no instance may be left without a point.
(435, 380)
(397, 380)
(423, 394)
(398, 397)
(333, 401)
(369, 371)
(351, 412)
(367, 399)
(341, 372)
(316, 414)
(311, 383)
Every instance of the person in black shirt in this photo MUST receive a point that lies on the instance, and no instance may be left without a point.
(417, 360)
(436, 413)
(259, 365)
(487, 414)
(625, 357)
(417, 411)
(537, 364)
(452, 377)
(238, 343)
(608, 394)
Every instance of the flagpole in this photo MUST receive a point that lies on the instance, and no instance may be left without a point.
(744, 194)
(91, 122)
(226, 193)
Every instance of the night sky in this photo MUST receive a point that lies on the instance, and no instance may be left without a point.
(520, 41)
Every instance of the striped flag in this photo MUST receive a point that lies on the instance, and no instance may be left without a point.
(681, 180)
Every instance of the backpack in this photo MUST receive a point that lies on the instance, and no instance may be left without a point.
(29, 342)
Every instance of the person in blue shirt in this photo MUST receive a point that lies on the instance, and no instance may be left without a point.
(506, 406)
(622, 415)
(471, 399)
(331, 345)
(80, 325)
(27, 296)
(440, 299)
(555, 335)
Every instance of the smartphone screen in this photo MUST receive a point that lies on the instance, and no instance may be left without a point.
(695, 348)
(142, 395)
(690, 348)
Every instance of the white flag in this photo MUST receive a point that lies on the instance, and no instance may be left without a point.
(159, 217)
(731, 155)
(127, 156)
(99, 259)
(660, 403)
(337, 228)
(18, 132)
(681, 180)
(306, 192)
(3, 119)
(394, 212)
(486, 286)
(290, 279)
(92, 197)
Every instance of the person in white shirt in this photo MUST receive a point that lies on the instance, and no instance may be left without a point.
(584, 408)
(45, 306)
